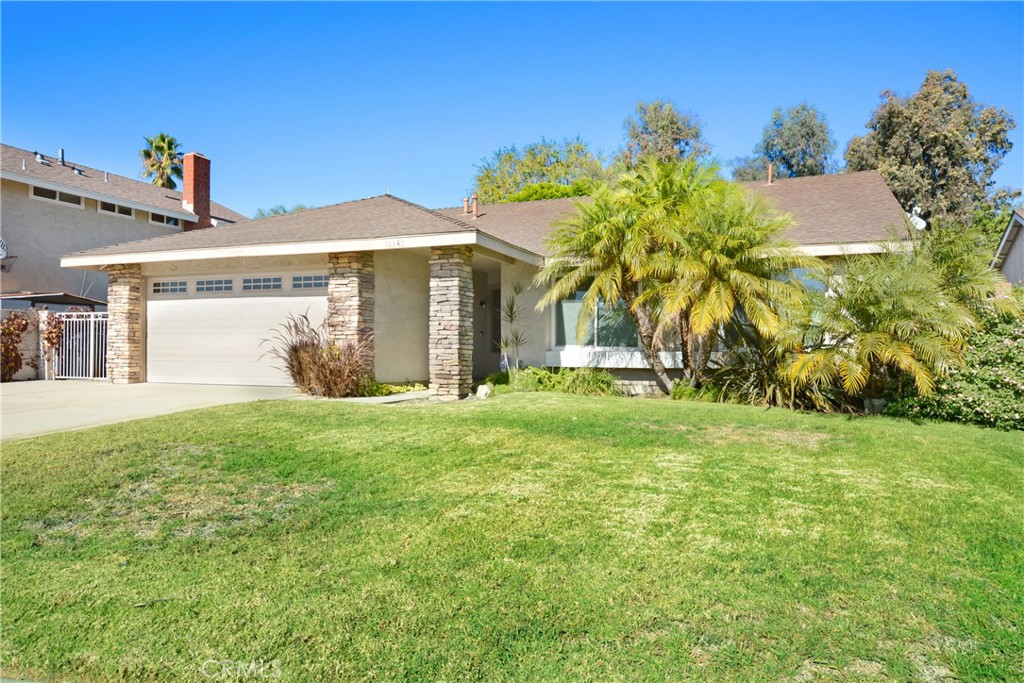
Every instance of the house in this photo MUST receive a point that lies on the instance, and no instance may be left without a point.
(1009, 258)
(51, 206)
(195, 306)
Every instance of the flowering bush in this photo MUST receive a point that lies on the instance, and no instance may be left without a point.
(12, 328)
(989, 389)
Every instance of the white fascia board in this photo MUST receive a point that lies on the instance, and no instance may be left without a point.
(180, 214)
(468, 238)
(1004, 244)
(842, 249)
(608, 358)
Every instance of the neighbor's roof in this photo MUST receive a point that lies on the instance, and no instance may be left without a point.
(850, 208)
(92, 184)
(62, 298)
(1013, 229)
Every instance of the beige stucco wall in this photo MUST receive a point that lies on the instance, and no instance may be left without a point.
(1013, 264)
(536, 326)
(401, 316)
(40, 232)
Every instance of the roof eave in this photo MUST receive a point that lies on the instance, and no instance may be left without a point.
(466, 238)
(99, 196)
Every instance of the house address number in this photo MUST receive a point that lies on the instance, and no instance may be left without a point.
(393, 244)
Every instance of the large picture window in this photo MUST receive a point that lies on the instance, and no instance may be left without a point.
(609, 327)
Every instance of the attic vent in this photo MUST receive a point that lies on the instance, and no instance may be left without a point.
(77, 171)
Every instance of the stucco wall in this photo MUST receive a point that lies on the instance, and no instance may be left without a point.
(40, 232)
(535, 326)
(401, 316)
(1013, 265)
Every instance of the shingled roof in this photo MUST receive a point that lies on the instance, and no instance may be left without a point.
(378, 217)
(854, 208)
(848, 208)
(92, 183)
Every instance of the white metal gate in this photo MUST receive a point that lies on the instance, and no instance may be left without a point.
(82, 353)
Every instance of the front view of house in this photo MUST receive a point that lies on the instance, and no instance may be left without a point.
(202, 306)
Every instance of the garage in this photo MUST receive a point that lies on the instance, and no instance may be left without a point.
(209, 329)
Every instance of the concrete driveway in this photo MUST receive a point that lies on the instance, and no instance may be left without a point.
(34, 408)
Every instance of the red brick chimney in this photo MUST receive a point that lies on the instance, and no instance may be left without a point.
(195, 195)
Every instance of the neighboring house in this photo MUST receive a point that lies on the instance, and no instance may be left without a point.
(51, 206)
(1009, 258)
(195, 306)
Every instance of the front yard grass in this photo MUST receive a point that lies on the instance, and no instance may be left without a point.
(526, 537)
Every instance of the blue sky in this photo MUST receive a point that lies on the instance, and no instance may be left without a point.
(325, 102)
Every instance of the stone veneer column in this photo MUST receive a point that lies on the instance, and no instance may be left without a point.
(350, 296)
(451, 322)
(124, 324)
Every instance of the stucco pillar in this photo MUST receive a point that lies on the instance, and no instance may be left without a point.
(350, 297)
(451, 322)
(124, 324)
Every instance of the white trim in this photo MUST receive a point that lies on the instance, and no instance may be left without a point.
(100, 209)
(607, 357)
(1006, 241)
(80, 205)
(90, 194)
(841, 249)
(296, 248)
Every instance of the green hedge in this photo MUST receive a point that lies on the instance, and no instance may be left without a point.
(989, 390)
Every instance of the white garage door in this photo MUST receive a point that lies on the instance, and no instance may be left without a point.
(209, 330)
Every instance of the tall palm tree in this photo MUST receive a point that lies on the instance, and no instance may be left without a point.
(161, 160)
(727, 265)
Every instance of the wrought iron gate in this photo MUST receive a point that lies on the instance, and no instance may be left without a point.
(82, 353)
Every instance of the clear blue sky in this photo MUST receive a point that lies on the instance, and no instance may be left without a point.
(320, 103)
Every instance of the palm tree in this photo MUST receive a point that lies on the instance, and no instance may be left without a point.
(727, 266)
(884, 314)
(161, 160)
(610, 247)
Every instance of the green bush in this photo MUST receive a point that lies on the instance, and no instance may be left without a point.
(578, 381)
(497, 378)
(590, 382)
(682, 391)
(989, 389)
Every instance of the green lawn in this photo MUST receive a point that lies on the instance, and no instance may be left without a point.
(526, 537)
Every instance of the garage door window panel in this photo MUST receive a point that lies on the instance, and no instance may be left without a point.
(261, 284)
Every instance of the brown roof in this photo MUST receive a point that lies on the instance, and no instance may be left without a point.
(91, 180)
(836, 209)
(829, 209)
(377, 217)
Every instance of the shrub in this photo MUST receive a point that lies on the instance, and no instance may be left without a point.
(12, 328)
(319, 367)
(989, 389)
(579, 381)
(497, 378)
(590, 382)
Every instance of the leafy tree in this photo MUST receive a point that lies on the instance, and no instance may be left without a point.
(991, 218)
(161, 160)
(658, 129)
(547, 190)
(797, 142)
(937, 148)
(510, 170)
(279, 210)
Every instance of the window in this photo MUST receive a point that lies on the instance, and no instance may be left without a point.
(161, 219)
(48, 195)
(115, 209)
(252, 284)
(610, 326)
(309, 281)
(170, 287)
(213, 285)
